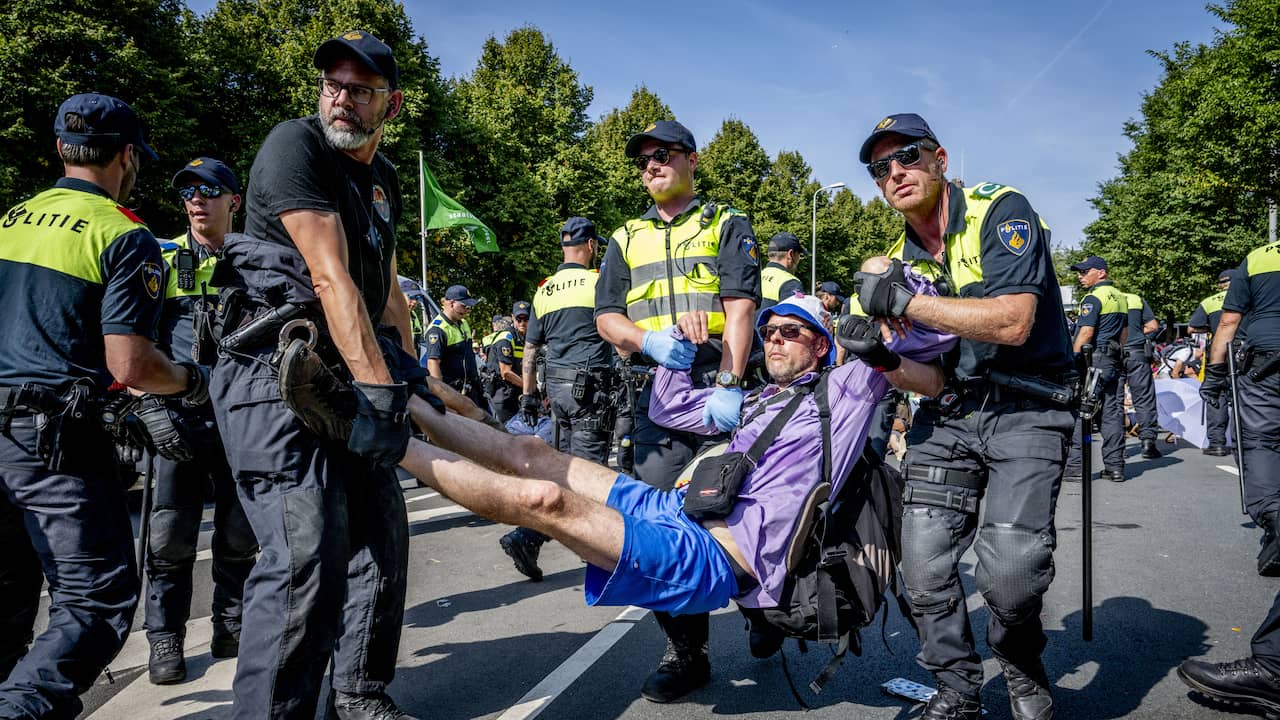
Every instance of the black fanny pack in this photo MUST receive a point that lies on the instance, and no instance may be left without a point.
(713, 489)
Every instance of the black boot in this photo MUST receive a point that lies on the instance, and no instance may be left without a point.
(523, 551)
(950, 704)
(764, 639)
(225, 644)
(166, 665)
(374, 706)
(1269, 554)
(1241, 681)
(1149, 450)
(1029, 694)
(684, 666)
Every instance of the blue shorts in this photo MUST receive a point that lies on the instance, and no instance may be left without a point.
(669, 562)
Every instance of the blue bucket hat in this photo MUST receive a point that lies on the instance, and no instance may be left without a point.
(809, 309)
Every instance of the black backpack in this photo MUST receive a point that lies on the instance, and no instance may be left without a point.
(843, 555)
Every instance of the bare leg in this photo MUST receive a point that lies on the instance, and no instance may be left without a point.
(591, 529)
(521, 455)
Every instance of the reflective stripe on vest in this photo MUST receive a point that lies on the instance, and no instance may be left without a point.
(568, 288)
(962, 251)
(771, 281)
(67, 231)
(674, 269)
(1265, 259)
(1213, 303)
(517, 348)
(453, 334)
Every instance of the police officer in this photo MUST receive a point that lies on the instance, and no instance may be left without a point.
(982, 439)
(210, 195)
(1103, 323)
(683, 254)
(506, 358)
(578, 368)
(1138, 355)
(1254, 297)
(777, 279)
(1204, 319)
(498, 323)
(450, 357)
(82, 282)
(831, 296)
(328, 589)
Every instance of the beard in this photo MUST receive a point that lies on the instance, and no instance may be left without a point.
(348, 138)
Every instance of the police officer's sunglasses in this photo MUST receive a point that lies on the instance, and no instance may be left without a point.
(662, 156)
(789, 331)
(208, 191)
(359, 94)
(906, 157)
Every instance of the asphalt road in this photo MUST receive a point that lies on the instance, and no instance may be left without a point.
(1174, 578)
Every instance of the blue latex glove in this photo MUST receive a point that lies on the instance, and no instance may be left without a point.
(723, 408)
(667, 351)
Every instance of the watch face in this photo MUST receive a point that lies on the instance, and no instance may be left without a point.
(726, 378)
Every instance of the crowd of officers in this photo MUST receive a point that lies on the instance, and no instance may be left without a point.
(112, 335)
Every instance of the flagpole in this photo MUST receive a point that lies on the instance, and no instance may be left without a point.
(422, 220)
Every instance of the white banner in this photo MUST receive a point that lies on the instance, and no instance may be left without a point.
(1181, 410)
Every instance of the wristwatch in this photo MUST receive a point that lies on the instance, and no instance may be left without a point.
(725, 378)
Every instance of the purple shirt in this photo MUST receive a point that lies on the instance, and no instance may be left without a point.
(769, 504)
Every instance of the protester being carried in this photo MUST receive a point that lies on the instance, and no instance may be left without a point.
(642, 548)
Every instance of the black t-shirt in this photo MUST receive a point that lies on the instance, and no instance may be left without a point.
(1006, 271)
(1138, 316)
(737, 263)
(457, 361)
(1255, 293)
(297, 169)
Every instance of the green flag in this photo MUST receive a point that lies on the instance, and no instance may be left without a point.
(442, 211)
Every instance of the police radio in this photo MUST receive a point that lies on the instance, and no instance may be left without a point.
(708, 214)
(184, 261)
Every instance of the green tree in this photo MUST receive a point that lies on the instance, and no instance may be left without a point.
(732, 166)
(611, 191)
(127, 48)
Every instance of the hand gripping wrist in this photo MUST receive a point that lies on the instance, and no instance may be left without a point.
(861, 337)
(381, 428)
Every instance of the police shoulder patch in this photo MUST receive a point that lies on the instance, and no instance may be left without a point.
(986, 190)
(1015, 235)
(1086, 308)
(751, 248)
(152, 278)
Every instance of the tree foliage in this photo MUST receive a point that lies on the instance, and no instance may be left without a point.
(511, 139)
(1191, 196)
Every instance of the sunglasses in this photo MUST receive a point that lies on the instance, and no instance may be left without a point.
(662, 156)
(208, 191)
(906, 157)
(789, 331)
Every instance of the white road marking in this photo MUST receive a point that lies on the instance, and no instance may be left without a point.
(1230, 469)
(545, 692)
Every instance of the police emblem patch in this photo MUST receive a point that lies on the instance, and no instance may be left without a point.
(380, 203)
(751, 248)
(1015, 235)
(151, 279)
(886, 123)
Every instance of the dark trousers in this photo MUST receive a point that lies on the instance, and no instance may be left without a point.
(1019, 446)
(660, 455)
(580, 423)
(73, 526)
(1142, 390)
(329, 584)
(505, 402)
(1260, 442)
(1217, 419)
(181, 489)
(1112, 420)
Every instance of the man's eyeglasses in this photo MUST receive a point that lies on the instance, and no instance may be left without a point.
(789, 331)
(208, 191)
(359, 94)
(906, 157)
(662, 156)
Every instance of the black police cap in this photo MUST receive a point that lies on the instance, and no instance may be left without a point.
(108, 123)
(668, 131)
(210, 170)
(784, 241)
(362, 46)
(906, 124)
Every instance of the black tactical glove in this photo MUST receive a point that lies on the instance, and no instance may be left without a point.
(165, 430)
(1215, 384)
(197, 392)
(381, 429)
(884, 294)
(123, 425)
(529, 407)
(861, 336)
(416, 377)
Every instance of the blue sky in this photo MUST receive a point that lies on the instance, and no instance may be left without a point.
(1028, 94)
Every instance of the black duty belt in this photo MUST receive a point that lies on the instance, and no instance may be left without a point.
(30, 399)
(571, 374)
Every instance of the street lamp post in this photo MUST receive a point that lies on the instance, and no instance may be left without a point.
(813, 255)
